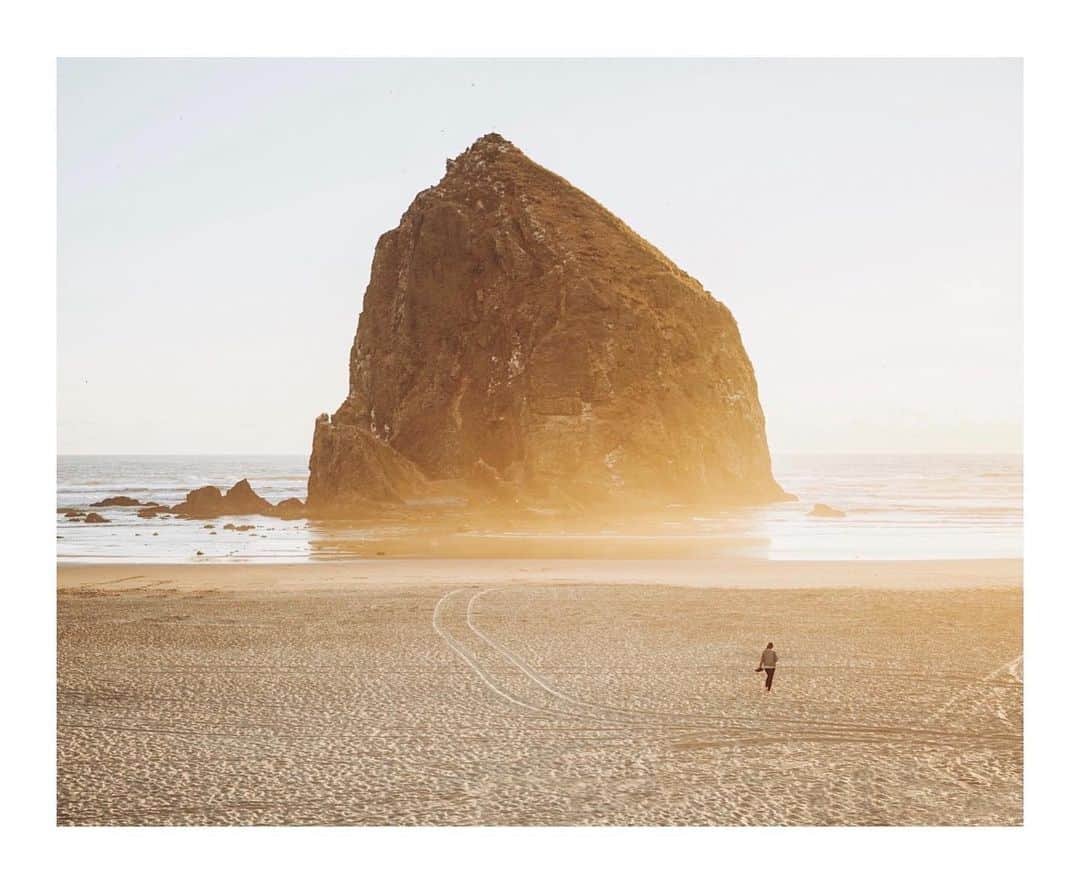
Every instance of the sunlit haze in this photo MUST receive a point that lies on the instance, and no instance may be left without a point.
(861, 219)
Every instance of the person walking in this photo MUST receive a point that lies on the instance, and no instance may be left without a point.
(768, 665)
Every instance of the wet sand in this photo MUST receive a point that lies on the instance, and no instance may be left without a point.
(540, 692)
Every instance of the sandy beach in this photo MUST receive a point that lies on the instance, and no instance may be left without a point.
(540, 692)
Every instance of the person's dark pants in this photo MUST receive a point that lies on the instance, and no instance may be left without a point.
(768, 678)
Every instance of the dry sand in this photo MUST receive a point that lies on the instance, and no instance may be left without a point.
(540, 692)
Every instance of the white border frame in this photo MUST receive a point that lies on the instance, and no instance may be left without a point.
(1041, 33)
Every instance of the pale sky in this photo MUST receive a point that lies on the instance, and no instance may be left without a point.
(862, 220)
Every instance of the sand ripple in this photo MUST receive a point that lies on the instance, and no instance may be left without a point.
(538, 704)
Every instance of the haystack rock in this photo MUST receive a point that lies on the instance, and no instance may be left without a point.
(519, 337)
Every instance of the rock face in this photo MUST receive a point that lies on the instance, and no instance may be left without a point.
(349, 466)
(518, 336)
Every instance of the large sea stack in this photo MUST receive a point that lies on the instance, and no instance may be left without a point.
(518, 337)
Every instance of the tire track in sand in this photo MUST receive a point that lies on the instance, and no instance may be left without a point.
(738, 726)
(569, 708)
(473, 663)
(981, 691)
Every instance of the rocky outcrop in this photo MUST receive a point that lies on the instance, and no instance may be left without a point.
(518, 337)
(117, 501)
(94, 518)
(352, 468)
(209, 502)
(290, 508)
(824, 510)
(240, 499)
(205, 502)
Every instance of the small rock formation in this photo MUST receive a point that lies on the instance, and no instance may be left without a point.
(823, 510)
(209, 502)
(73, 513)
(290, 508)
(94, 518)
(117, 501)
(205, 502)
(240, 499)
(521, 340)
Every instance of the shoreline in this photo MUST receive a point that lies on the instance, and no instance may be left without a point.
(730, 573)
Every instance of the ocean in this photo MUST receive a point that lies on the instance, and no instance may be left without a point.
(896, 507)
